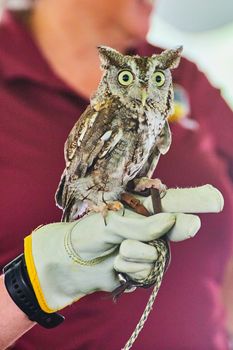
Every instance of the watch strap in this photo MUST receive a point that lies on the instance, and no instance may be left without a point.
(19, 287)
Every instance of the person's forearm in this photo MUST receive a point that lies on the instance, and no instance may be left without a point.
(228, 296)
(13, 322)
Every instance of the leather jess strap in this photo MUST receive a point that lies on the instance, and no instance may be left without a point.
(134, 203)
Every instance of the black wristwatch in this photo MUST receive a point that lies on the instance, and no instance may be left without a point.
(20, 289)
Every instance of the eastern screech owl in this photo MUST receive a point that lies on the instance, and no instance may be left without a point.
(120, 136)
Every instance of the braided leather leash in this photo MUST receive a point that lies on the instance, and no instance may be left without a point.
(156, 275)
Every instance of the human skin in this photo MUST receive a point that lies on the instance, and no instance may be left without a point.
(227, 294)
(13, 316)
(68, 33)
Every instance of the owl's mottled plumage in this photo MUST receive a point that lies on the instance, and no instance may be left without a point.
(122, 133)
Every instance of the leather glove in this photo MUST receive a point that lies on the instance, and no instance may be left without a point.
(202, 199)
(66, 261)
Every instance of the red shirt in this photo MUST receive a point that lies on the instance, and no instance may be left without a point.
(37, 112)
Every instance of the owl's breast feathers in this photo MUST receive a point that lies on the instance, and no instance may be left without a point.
(107, 147)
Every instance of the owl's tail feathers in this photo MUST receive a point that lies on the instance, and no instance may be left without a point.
(61, 193)
(74, 209)
(67, 211)
(65, 200)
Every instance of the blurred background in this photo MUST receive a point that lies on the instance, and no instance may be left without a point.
(203, 27)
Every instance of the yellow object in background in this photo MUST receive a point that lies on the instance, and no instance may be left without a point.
(181, 112)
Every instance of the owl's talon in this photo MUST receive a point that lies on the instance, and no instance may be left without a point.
(104, 207)
(162, 191)
(115, 205)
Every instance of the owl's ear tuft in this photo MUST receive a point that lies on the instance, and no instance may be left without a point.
(169, 58)
(109, 56)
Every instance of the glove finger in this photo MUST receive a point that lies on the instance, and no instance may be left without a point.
(132, 250)
(100, 277)
(141, 275)
(133, 269)
(138, 227)
(186, 226)
(203, 199)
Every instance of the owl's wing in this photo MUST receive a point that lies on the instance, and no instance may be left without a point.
(92, 138)
(162, 145)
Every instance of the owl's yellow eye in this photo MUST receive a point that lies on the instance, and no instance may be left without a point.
(159, 78)
(125, 77)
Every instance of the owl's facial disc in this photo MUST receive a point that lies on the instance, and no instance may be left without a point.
(158, 80)
(126, 78)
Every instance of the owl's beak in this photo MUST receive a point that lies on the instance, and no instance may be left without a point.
(144, 96)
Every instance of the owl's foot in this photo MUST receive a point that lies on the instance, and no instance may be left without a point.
(145, 183)
(104, 207)
(115, 206)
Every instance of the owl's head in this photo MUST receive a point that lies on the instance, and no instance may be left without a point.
(139, 82)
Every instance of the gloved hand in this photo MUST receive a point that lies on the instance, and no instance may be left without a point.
(66, 261)
(202, 199)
